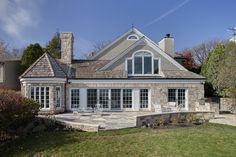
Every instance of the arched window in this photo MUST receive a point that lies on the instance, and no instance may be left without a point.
(143, 63)
(132, 37)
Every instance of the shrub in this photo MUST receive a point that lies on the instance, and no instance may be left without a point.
(15, 112)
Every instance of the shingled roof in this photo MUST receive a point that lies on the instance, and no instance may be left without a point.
(45, 67)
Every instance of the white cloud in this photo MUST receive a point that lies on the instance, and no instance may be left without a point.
(18, 16)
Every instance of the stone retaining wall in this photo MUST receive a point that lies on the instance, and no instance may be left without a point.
(226, 104)
(153, 119)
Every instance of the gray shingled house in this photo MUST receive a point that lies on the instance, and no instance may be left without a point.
(132, 73)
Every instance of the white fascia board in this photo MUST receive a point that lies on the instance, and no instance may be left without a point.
(109, 45)
(121, 55)
(43, 80)
(126, 81)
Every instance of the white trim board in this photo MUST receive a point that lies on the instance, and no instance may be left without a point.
(125, 81)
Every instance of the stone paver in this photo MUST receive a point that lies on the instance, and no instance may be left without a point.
(105, 120)
(229, 119)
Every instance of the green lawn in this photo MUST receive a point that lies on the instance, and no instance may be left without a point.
(207, 140)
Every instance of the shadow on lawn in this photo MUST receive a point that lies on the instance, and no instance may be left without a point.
(37, 143)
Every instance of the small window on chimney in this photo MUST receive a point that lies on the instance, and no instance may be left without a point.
(132, 37)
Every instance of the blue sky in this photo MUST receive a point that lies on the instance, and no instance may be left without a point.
(189, 21)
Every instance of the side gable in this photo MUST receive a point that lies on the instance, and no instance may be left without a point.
(45, 67)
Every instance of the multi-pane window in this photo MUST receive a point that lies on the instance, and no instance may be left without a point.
(177, 96)
(143, 98)
(58, 97)
(104, 98)
(127, 98)
(171, 95)
(75, 98)
(91, 98)
(41, 95)
(142, 63)
(115, 98)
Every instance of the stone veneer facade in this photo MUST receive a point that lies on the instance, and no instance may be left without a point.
(158, 92)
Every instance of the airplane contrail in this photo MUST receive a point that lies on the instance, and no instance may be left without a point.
(166, 13)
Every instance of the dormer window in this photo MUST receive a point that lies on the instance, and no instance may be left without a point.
(143, 63)
(132, 37)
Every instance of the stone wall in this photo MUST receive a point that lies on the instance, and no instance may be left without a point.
(158, 92)
(151, 120)
(227, 104)
(67, 40)
(25, 91)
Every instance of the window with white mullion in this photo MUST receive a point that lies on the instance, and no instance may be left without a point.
(127, 98)
(41, 95)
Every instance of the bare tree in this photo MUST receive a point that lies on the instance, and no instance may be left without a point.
(200, 52)
(3, 49)
(97, 47)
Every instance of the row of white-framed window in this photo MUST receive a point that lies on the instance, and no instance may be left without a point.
(109, 98)
(42, 96)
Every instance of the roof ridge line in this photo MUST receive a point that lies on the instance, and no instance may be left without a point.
(50, 64)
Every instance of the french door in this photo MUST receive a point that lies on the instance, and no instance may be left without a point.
(115, 99)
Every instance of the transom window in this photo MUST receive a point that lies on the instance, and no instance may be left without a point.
(75, 99)
(41, 95)
(142, 63)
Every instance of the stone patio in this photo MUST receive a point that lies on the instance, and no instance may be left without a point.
(100, 121)
(228, 119)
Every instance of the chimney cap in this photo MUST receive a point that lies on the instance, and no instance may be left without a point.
(167, 35)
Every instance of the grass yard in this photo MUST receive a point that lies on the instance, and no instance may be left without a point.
(207, 140)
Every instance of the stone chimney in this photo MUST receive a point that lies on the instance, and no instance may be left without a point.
(67, 40)
(167, 45)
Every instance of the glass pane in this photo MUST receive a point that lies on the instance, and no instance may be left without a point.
(47, 97)
(32, 93)
(42, 97)
(75, 98)
(58, 97)
(156, 66)
(115, 98)
(138, 65)
(181, 97)
(127, 98)
(171, 95)
(130, 70)
(143, 98)
(104, 98)
(91, 98)
(147, 65)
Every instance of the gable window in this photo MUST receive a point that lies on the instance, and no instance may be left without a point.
(41, 95)
(143, 63)
(132, 37)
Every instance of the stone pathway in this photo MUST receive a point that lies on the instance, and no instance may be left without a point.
(229, 119)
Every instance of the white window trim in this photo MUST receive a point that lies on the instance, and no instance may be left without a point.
(153, 58)
(74, 109)
(42, 108)
(176, 93)
(1, 73)
(60, 97)
(135, 35)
